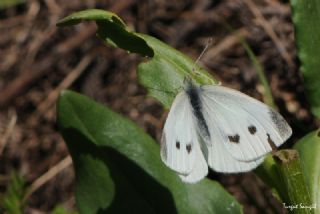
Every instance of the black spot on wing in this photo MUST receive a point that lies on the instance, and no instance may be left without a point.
(194, 98)
(234, 138)
(252, 129)
(188, 148)
(177, 144)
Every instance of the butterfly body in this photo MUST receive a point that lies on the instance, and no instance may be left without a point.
(193, 92)
(221, 128)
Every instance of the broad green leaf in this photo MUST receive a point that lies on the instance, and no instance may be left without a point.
(118, 167)
(164, 74)
(306, 16)
(309, 151)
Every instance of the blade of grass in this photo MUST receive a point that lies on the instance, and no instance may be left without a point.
(12, 201)
(268, 98)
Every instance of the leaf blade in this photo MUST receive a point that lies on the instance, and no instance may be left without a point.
(129, 168)
(307, 32)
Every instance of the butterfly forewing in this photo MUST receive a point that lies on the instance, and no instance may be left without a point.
(248, 129)
(179, 137)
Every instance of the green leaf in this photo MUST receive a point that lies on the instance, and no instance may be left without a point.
(309, 151)
(306, 15)
(91, 14)
(118, 167)
(111, 29)
(164, 74)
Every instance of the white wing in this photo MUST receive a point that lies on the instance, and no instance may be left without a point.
(246, 127)
(200, 170)
(219, 159)
(179, 138)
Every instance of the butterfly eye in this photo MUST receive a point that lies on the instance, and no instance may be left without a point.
(188, 147)
(252, 129)
(178, 144)
(234, 139)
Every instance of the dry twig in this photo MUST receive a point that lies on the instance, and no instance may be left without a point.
(68, 80)
(51, 173)
(8, 132)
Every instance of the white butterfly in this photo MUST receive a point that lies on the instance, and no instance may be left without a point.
(220, 127)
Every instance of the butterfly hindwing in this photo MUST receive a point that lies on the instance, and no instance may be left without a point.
(179, 137)
(200, 169)
(248, 128)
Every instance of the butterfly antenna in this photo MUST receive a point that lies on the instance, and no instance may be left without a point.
(202, 53)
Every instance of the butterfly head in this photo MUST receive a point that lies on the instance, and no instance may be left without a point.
(188, 82)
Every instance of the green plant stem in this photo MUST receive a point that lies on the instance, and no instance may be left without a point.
(291, 183)
(284, 174)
